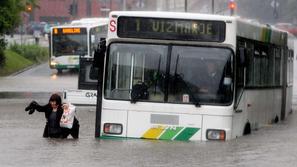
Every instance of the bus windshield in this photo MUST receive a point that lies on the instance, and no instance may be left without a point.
(70, 44)
(169, 73)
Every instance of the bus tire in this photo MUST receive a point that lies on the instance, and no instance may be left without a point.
(60, 71)
(247, 129)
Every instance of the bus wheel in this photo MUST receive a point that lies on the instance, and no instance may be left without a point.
(60, 71)
(247, 129)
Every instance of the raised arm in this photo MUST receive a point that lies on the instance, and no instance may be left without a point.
(35, 106)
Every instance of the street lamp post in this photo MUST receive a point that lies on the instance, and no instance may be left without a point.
(212, 6)
(124, 5)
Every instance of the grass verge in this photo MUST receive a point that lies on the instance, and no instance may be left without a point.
(13, 63)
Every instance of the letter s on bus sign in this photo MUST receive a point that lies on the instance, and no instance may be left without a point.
(112, 25)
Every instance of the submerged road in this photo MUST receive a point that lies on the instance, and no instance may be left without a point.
(39, 78)
(22, 145)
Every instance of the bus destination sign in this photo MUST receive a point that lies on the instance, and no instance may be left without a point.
(171, 29)
(69, 31)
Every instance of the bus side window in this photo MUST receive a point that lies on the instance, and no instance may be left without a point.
(242, 53)
(240, 65)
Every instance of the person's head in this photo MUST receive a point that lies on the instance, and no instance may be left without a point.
(55, 100)
(211, 67)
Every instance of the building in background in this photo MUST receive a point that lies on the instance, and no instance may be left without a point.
(60, 11)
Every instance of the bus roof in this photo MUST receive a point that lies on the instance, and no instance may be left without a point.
(86, 23)
(176, 15)
(243, 27)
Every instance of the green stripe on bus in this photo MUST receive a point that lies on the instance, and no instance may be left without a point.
(170, 133)
(186, 134)
(66, 66)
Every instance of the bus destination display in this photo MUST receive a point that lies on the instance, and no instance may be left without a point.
(171, 29)
(69, 31)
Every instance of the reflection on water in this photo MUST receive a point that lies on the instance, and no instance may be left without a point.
(53, 76)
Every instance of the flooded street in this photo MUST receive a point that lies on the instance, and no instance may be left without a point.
(38, 79)
(22, 144)
(191, 73)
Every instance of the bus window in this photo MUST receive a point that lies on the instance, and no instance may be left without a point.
(131, 64)
(96, 34)
(202, 74)
(278, 68)
(70, 44)
(145, 66)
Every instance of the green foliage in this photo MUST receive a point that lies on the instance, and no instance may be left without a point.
(34, 53)
(14, 62)
(10, 15)
(2, 57)
(10, 18)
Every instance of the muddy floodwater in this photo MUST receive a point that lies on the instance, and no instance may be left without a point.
(22, 145)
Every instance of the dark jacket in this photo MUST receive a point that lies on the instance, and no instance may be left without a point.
(47, 109)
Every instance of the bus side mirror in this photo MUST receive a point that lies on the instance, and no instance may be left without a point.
(99, 53)
(96, 71)
(242, 53)
(102, 46)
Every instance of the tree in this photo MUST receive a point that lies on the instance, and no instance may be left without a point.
(10, 18)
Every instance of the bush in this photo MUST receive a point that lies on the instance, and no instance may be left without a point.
(2, 57)
(34, 53)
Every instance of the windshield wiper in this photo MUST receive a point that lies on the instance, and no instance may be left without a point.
(178, 76)
(188, 89)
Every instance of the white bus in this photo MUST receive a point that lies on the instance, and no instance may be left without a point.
(69, 42)
(157, 84)
(73, 46)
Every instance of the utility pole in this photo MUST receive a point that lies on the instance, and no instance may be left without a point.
(212, 6)
(186, 5)
(73, 8)
(89, 8)
(275, 5)
(110, 6)
(124, 5)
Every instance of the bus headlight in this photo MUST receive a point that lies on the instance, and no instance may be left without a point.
(112, 128)
(53, 63)
(215, 134)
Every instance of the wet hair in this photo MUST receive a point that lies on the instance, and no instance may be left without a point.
(57, 98)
